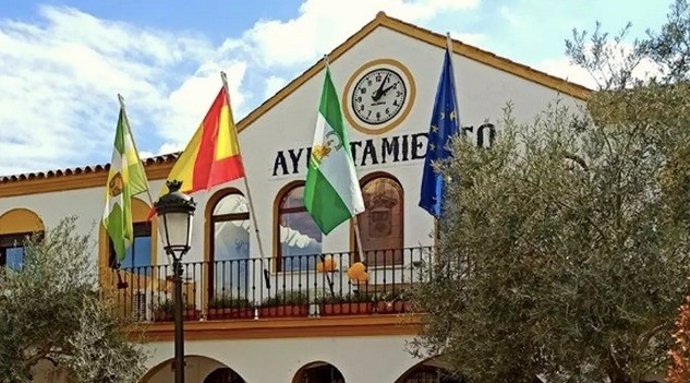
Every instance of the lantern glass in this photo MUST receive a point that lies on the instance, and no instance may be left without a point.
(176, 230)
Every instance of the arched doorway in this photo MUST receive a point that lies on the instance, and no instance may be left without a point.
(198, 369)
(318, 372)
(224, 375)
(430, 371)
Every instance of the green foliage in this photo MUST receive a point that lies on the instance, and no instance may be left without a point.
(52, 310)
(286, 298)
(229, 302)
(566, 248)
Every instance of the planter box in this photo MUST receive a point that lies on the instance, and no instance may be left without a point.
(346, 308)
(284, 311)
(187, 315)
(394, 307)
(230, 313)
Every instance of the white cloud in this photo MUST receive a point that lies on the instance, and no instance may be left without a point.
(564, 68)
(322, 24)
(273, 85)
(475, 39)
(60, 75)
(561, 67)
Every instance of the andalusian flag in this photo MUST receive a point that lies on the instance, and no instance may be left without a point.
(332, 194)
(212, 157)
(125, 180)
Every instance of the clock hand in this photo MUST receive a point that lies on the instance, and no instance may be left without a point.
(378, 92)
(386, 90)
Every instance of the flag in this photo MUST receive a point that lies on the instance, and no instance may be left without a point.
(332, 194)
(212, 157)
(126, 179)
(444, 125)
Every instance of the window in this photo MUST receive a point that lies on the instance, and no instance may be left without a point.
(298, 235)
(12, 250)
(15, 226)
(139, 253)
(229, 243)
(381, 224)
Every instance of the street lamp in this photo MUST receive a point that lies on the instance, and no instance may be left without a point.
(175, 211)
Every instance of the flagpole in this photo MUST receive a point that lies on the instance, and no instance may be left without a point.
(358, 238)
(355, 221)
(131, 136)
(246, 183)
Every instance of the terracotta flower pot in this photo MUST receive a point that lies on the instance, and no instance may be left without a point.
(215, 313)
(294, 310)
(346, 308)
(189, 314)
(394, 307)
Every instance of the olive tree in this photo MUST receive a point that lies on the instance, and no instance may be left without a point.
(565, 247)
(51, 310)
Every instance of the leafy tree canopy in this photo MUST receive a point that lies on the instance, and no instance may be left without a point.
(565, 249)
(52, 312)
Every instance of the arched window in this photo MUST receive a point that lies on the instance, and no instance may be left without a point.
(381, 224)
(229, 243)
(297, 233)
(16, 226)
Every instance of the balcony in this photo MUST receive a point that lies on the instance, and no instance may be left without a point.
(316, 285)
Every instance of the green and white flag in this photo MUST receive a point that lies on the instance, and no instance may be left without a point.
(125, 180)
(332, 194)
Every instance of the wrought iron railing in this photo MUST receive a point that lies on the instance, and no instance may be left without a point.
(296, 286)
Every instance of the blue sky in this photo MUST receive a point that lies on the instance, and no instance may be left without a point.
(62, 62)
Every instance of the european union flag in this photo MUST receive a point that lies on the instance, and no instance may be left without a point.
(444, 125)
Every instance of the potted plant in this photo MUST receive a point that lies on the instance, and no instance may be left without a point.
(349, 304)
(229, 307)
(165, 312)
(285, 304)
(394, 302)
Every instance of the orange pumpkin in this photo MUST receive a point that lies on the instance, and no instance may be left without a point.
(356, 271)
(327, 265)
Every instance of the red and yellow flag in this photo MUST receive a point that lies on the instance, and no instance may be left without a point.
(212, 156)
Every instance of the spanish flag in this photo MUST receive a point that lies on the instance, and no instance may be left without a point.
(212, 157)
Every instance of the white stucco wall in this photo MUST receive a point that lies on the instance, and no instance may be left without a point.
(372, 359)
(482, 93)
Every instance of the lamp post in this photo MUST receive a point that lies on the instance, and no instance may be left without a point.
(175, 211)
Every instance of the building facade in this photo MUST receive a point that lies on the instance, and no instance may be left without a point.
(293, 314)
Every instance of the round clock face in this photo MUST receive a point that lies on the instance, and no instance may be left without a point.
(378, 96)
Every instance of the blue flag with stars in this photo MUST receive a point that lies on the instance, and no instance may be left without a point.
(444, 125)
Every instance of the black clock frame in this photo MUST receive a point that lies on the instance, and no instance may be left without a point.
(354, 93)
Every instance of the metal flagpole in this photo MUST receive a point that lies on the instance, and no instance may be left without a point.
(246, 184)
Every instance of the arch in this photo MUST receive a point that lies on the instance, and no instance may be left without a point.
(227, 242)
(318, 372)
(382, 224)
(432, 370)
(295, 233)
(20, 221)
(198, 368)
(16, 225)
(223, 375)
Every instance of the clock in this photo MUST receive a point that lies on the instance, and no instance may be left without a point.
(378, 96)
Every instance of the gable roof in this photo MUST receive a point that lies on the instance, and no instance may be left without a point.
(158, 167)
